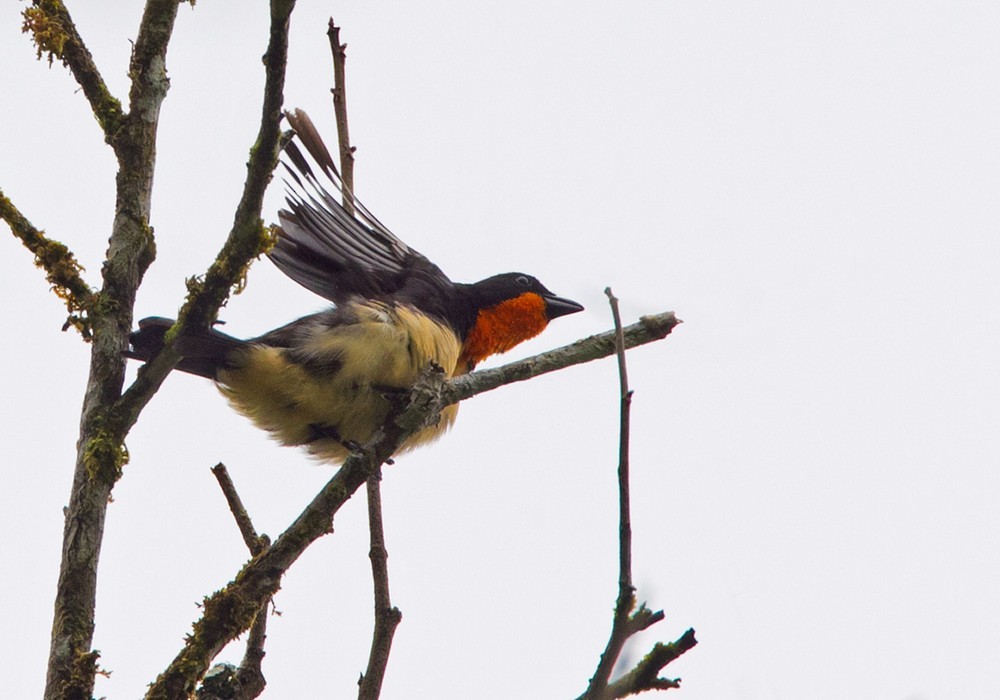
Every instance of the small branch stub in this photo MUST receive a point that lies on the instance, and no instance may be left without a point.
(339, 52)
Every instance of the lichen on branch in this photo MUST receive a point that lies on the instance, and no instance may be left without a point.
(62, 270)
(47, 31)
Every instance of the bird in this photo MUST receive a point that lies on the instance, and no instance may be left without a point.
(326, 381)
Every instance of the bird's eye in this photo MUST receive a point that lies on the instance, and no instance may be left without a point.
(522, 281)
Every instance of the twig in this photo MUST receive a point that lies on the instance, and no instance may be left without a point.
(249, 677)
(645, 674)
(387, 617)
(249, 674)
(54, 32)
(626, 623)
(228, 612)
(253, 541)
(62, 270)
(339, 91)
(621, 630)
(625, 588)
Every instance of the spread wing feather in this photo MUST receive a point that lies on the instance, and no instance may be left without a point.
(327, 250)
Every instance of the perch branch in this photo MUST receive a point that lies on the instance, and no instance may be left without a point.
(229, 612)
(648, 329)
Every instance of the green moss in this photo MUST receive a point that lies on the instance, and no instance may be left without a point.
(62, 271)
(80, 684)
(104, 457)
(46, 30)
(267, 236)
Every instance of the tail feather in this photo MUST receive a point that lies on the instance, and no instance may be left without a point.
(205, 351)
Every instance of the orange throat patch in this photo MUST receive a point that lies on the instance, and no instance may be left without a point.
(501, 327)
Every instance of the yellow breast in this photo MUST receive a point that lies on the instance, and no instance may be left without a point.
(329, 389)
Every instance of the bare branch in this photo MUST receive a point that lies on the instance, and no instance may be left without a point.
(249, 674)
(62, 270)
(230, 611)
(339, 52)
(248, 679)
(254, 542)
(387, 617)
(54, 32)
(625, 588)
(627, 623)
(645, 674)
(621, 629)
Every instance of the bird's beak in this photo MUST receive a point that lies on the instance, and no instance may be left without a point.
(559, 306)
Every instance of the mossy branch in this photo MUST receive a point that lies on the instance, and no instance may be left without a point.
(247, 240)
(101, 449)
(62, 270)
(54, 34)
(230, 611)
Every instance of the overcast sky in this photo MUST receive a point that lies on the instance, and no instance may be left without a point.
(812, 187)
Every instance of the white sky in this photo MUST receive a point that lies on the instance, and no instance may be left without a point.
(811, 186)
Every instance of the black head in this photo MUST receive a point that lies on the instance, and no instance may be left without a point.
(510, 285)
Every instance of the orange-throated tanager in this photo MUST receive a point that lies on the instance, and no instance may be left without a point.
(322, 381)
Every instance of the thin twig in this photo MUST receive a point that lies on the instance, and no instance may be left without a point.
(621, 630)
(249, 677)
(387, 617)
(625, 588)
(253, 541)
(224, 612)
(626, 623)
(249, 674)
(339, 91)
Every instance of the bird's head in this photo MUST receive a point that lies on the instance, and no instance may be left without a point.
(510, 308)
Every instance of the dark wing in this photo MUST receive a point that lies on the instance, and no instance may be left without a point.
(331, 252)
